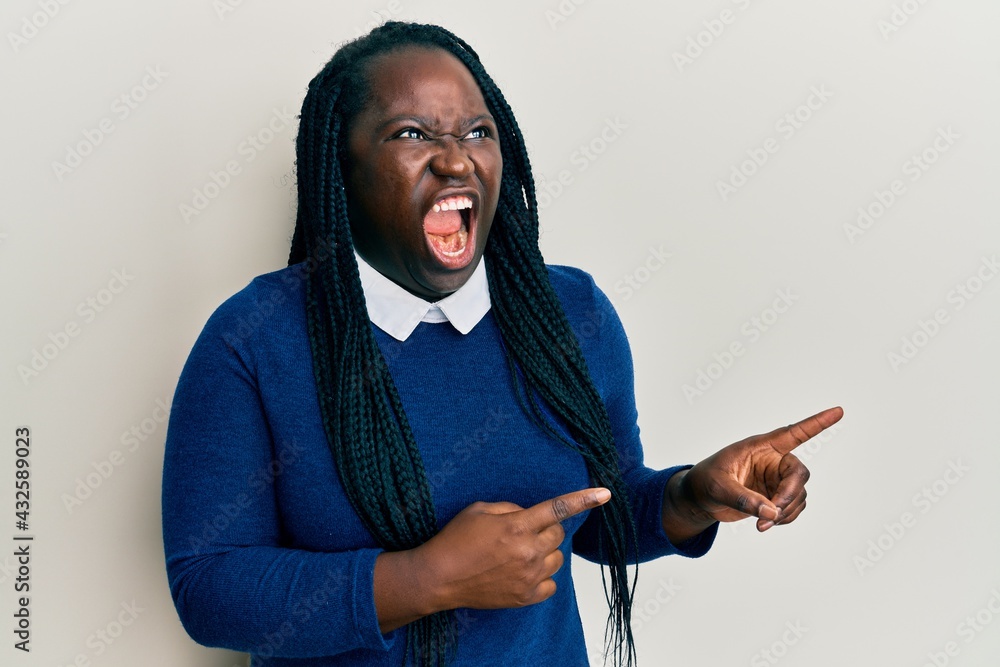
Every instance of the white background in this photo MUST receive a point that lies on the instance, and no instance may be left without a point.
(858, 588)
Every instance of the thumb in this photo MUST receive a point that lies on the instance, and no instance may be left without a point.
(730, 493)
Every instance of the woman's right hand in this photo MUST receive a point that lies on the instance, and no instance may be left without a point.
(499, 555)
(490, 556)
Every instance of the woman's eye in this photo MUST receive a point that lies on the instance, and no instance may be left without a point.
(410, 133)
(478, 133)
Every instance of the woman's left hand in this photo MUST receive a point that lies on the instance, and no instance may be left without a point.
(757, 476)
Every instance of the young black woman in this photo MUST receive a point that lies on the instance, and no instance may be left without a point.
(385, 453)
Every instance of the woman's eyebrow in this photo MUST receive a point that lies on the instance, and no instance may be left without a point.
(428, 122)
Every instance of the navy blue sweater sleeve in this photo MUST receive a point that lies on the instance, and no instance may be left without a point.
(233, 582)
(609, 356)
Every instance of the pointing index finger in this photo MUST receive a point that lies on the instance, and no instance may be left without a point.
(784, 440)
(550, 512)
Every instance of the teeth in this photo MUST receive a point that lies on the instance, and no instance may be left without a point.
(452, 204)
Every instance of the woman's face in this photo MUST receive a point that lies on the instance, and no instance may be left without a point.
(425, 141)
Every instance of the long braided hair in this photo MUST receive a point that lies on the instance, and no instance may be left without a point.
(368, 432)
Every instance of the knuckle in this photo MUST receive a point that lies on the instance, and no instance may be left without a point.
(742, 502)
(516, 529)
(525, 554)
(530, 594)
(798, 433)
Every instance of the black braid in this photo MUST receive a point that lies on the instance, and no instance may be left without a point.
(369, 435)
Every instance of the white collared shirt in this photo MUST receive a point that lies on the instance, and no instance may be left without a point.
(398, 312)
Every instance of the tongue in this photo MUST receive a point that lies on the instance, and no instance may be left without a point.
(442, 223)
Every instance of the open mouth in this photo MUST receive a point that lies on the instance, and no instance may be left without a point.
(448, 229)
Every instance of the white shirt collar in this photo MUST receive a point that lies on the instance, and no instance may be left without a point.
(398, 312)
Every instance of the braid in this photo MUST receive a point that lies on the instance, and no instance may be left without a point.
(373, 447)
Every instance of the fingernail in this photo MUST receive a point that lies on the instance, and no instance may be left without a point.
(602, 495)
(767, 524)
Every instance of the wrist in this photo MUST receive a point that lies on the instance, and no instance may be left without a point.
(430, 594)
(404, 591)
(682, 517)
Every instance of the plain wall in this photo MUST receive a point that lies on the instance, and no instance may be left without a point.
(861, 162)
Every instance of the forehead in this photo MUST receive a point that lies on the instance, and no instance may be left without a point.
(422, 81)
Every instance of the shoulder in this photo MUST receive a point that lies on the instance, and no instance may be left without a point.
(263, 293)
(580, 296)
(598, 328)
(571, 283)
(590, 312)
(271, 305)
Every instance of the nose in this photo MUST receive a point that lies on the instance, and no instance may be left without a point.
(451, 159)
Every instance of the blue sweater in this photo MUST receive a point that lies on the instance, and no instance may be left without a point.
(264, 552)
